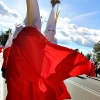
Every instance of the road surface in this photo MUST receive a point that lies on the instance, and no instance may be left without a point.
(83, 88)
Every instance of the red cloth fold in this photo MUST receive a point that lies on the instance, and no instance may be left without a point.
(0, 49)
(36, 67)
(5, 56)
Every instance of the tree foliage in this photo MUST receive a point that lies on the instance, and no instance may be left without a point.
(96, 50)
(88, 56)
(96, 47)
(4, 37)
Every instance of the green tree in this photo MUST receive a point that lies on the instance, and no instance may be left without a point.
(88, 56)
(4, 37)
(96, 47)
(98, 57)
(1, 35)
(96, 50)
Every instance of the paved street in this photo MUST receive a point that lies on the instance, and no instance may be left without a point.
(80, 88)
(83, 88)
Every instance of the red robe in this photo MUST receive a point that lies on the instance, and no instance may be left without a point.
(0, 49)
(5, 56)
(36, 67)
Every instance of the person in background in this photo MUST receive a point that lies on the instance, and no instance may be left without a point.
(93, 62)
(32, 18)
(1, 48)
(98, 69)
(15, 92)
(6, 51)
(50, 33)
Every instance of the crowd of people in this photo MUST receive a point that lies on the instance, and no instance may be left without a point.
(96, 66)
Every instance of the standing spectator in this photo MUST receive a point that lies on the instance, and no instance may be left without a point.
(98, 69)
(93, 62)
(6, 52)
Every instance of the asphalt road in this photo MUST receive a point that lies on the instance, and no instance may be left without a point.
(80, 88)
(83, 88)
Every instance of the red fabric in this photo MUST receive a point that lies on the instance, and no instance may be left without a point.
(0, 49)
(5, 56)
(36, 67)
(63, 91)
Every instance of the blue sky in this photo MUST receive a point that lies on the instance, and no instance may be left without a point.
(78, 24)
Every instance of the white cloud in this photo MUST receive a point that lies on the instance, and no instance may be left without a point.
(5, 11)
(8, 17)
(66, 31)
(44, 14)
(7, 24)
(86, 15)
(79, 35)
